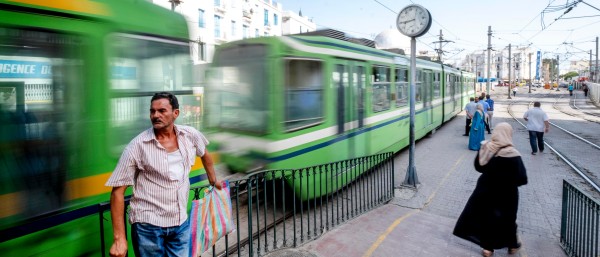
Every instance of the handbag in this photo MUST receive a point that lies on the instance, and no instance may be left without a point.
(211, 218)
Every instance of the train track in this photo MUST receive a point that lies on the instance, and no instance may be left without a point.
(568, 150)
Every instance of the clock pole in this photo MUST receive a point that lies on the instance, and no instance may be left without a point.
(413, 21)
(411, 178)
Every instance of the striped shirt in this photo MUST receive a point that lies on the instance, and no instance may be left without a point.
(157, 198)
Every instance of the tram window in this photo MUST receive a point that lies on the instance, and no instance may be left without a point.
(381, 88)
(139, 67)
(40, 79)
(401, 87)
(303, 93)
(419, 85)
(436, 85)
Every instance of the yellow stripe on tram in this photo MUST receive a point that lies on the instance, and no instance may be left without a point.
(12, 204)
(82, 6)
(94, 185)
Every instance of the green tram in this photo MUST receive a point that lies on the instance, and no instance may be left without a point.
(76, 78)
(297, 101)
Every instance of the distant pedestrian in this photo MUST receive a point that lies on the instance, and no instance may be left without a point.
(537, 124)
(485, 106)
(571, 89)
(477, 129)
(585, 90)
(514, 90)
(490, 111)
(470, 109)
(489, 218)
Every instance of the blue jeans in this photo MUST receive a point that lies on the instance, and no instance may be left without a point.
(150, 240)
(536, 140)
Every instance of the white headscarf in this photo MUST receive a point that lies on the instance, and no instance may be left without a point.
(499, 145)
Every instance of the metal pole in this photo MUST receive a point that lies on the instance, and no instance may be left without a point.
(596, 73)
(509, 71)
(411, 178)
(590, 75)
(557, 72)
(530, 73)
(489, 60)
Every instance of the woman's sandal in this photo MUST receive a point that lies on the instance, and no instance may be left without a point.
(487, 253)
(514, 250)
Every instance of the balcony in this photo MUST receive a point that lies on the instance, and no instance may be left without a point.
(222, 9)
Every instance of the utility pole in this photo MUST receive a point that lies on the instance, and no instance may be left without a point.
(557, 72)
(590, 76)
(530, 73)
(440, 51)
(489, 63)
(509, 71)
(596, 73)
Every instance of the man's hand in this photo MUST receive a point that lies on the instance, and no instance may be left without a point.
(218, 184)
(118, 248)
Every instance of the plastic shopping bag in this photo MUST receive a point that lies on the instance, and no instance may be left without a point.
(211, 218)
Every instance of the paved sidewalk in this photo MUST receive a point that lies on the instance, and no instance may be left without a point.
(420, 223)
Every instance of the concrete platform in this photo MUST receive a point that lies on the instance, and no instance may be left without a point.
(420, 222)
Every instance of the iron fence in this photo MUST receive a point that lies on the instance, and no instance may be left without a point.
(285, 208)
(580, 222)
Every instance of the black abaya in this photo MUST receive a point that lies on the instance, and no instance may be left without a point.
(489, 218)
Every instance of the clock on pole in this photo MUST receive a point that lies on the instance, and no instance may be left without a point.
(414, 20)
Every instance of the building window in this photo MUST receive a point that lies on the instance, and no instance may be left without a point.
(266, 34)
(201, 18)
(233, 32)
(266, 17)
(256, 33)
(275, 19)
(217, 26)
(201, 51)
(300, 29)
(245, 31)
(217, 2)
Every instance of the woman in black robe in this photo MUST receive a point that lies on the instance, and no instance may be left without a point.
(489, 218)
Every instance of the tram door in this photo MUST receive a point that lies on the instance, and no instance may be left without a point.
(349, 82)
(451, 80)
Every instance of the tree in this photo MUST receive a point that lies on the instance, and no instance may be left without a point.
(569, 75)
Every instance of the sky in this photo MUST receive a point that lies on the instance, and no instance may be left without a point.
(542, 24)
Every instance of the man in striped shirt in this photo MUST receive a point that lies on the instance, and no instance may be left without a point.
(157, 164)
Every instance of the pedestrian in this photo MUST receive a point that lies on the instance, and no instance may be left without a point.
(157, 164)
(490, 111)
(585, 90)
(477, 129)
(485, 107)
(571, 89)
(514, 90)
(537, 124)
(489, 218)
(470, 109)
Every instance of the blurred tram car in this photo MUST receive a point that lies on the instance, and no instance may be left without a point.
(76, 78)
(297, 101)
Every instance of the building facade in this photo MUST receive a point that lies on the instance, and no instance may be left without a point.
(214, 22)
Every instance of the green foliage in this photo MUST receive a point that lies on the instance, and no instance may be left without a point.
(569, 75)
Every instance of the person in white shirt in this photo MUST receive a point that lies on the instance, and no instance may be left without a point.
(537, 124)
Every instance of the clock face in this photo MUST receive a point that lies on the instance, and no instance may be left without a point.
(413, 21)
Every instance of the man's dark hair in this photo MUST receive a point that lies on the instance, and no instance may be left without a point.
(487, 96)
(537, 104)
(166, 95)
(472, 99)
(480, 97)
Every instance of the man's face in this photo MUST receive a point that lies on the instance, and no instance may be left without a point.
(162, 114)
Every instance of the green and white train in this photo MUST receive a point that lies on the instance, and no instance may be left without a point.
(297, 101)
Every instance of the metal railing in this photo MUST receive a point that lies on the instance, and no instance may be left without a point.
(285, 208)
(580, 223)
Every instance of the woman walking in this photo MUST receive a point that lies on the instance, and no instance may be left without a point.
(477, 133)
(489, 218)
